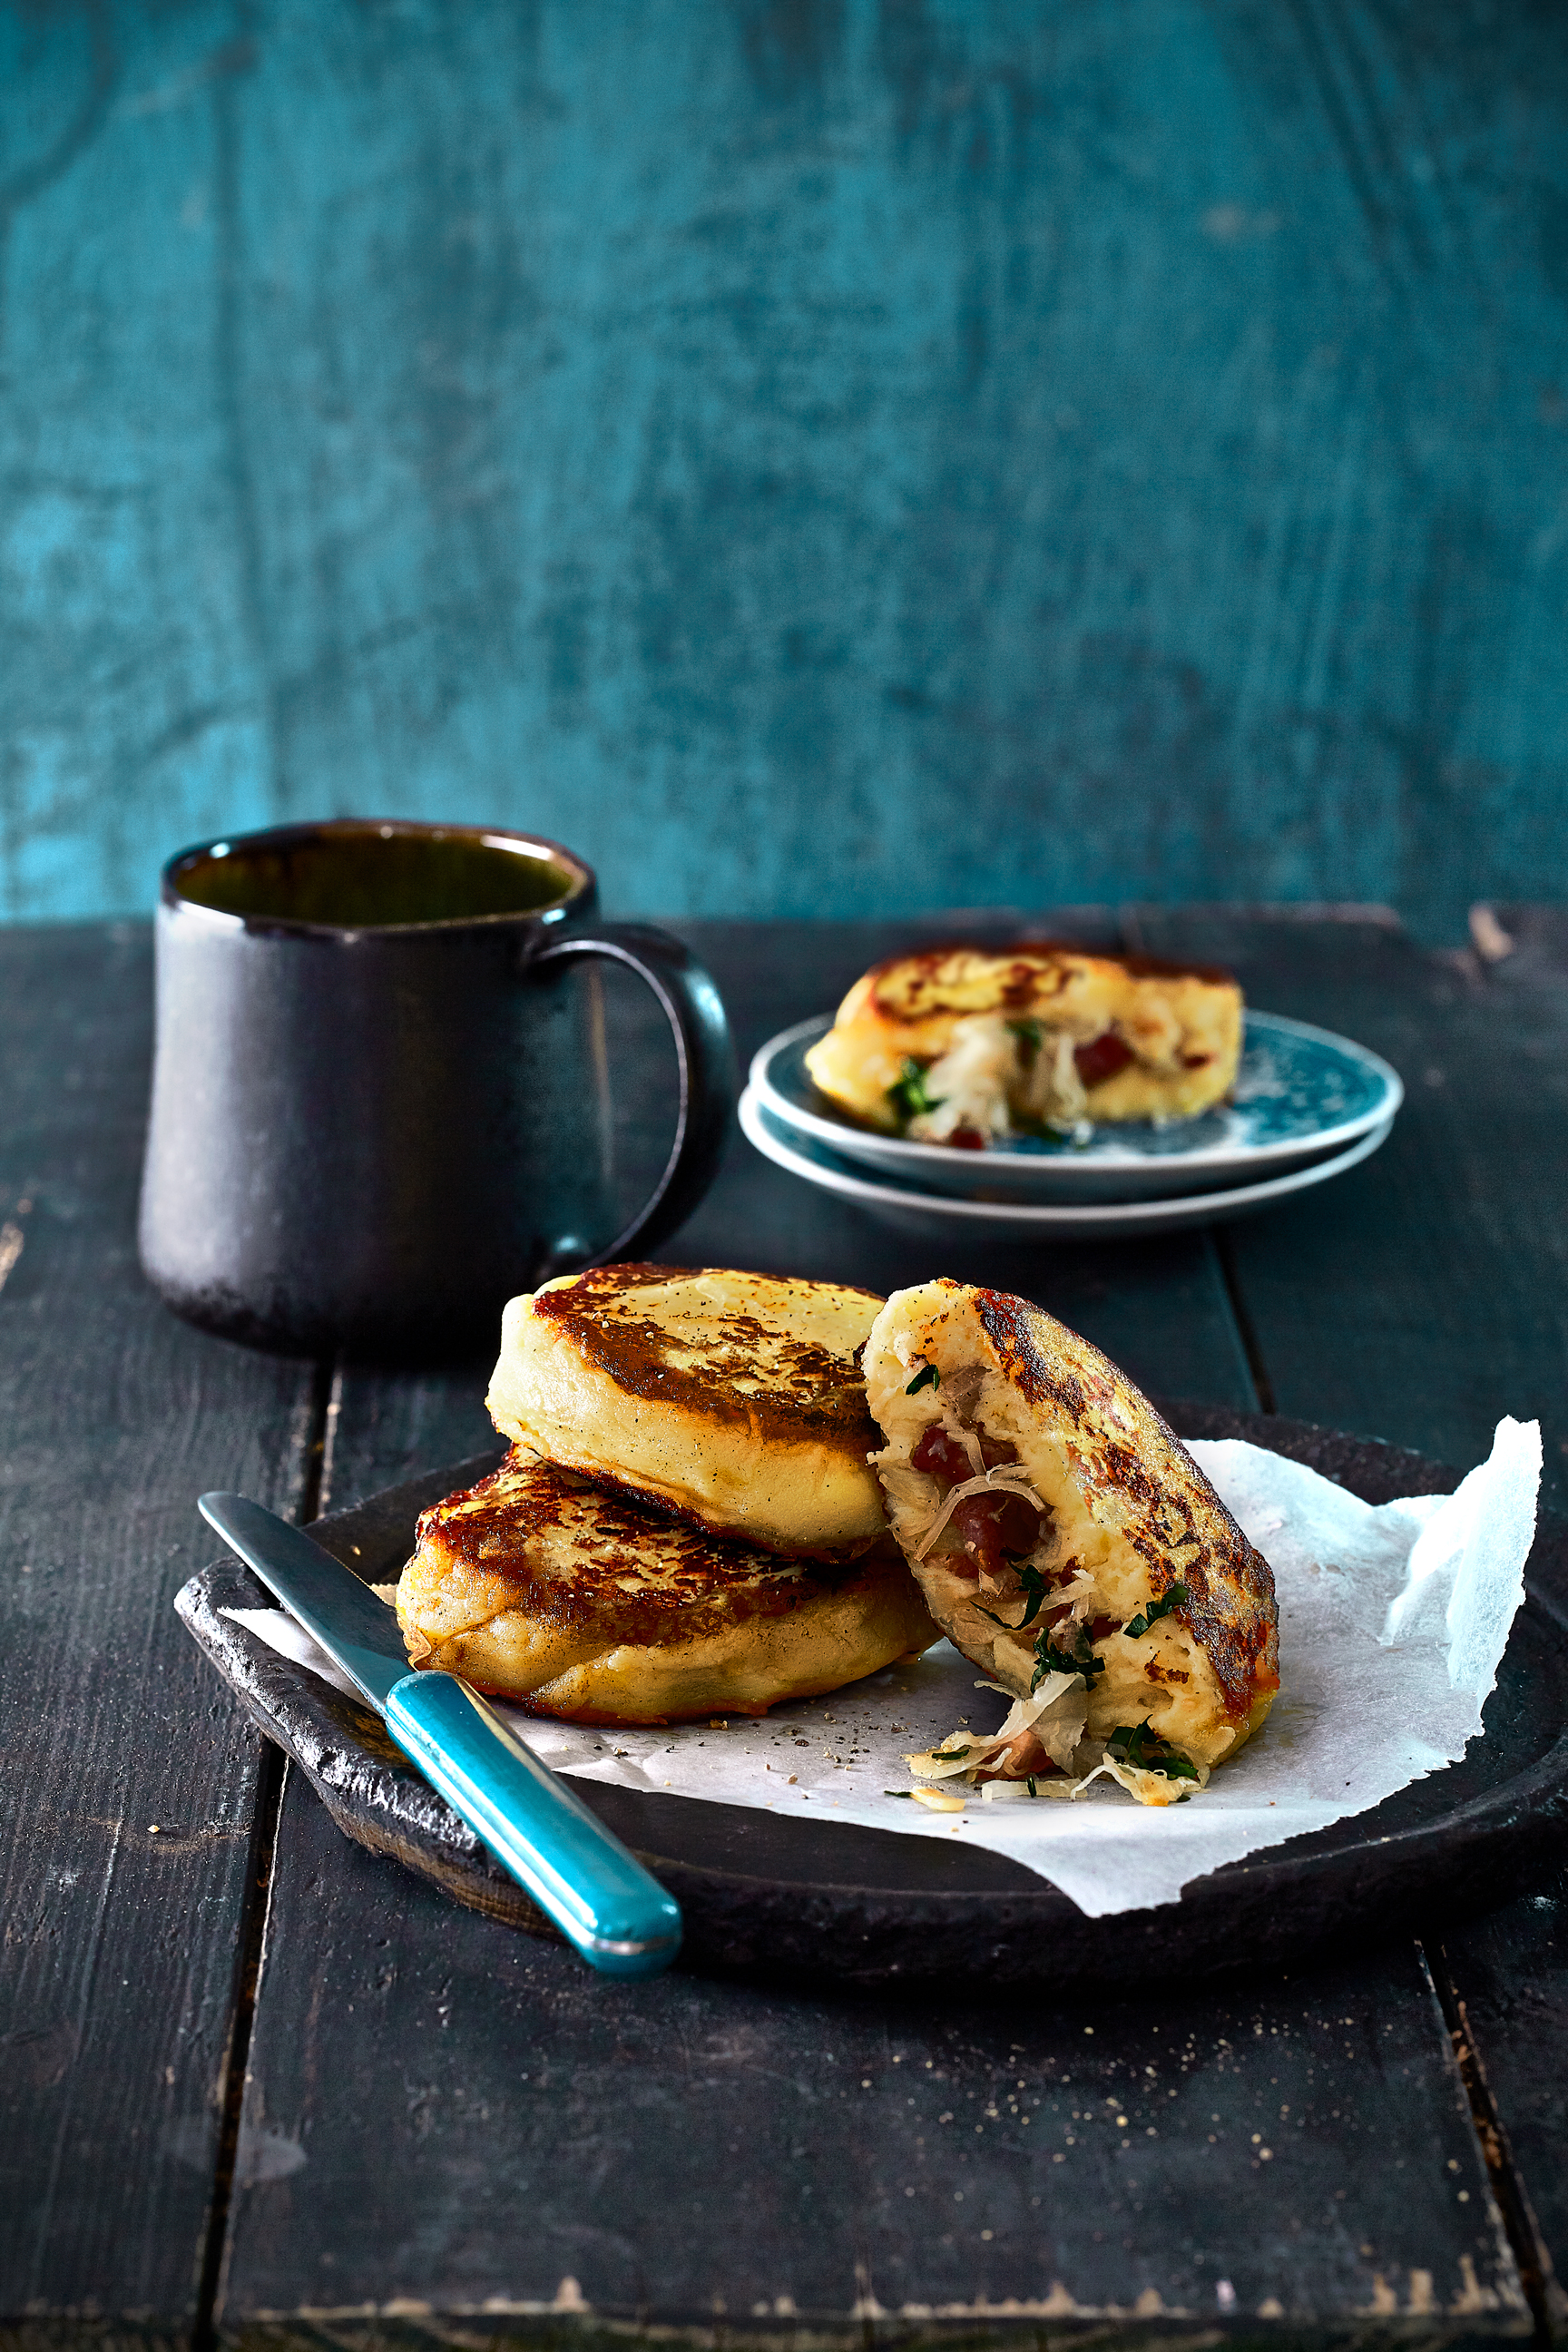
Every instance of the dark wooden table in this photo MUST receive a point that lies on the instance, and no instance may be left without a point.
(258, 2085)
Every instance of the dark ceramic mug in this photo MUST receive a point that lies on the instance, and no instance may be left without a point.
(380, 1096)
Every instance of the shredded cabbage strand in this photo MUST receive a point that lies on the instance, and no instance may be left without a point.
(1056, 1714)
(1005, 1478)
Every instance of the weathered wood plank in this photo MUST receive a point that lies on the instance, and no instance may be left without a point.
(125, 1839)
(1506, 1979)
(1419, 1299)
(382, 1427)
(480, 2133)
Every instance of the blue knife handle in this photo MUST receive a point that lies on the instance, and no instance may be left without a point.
(579, 1874)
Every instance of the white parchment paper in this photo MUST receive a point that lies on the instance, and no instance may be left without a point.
(1393, 1620)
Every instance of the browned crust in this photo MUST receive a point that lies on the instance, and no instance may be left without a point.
(705, 1584)
(1032, 959)
(1022, 986)
(810, 1391)
(1231, 1613)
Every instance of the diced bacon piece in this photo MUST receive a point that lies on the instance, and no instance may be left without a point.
(941, 1456)
(990, 1520)
(1101, 1058)
(990, 1525)
(1023, 1757)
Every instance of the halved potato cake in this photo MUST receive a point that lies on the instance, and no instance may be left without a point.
(542, 1586)
(966, 1045)
(735, 1400)
(1058, 1530)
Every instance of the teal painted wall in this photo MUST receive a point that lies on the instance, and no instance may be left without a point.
(810, 457)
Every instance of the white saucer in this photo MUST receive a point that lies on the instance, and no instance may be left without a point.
(1302, 1095)
(933, 1216)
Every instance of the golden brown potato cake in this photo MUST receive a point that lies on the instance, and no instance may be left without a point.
(543, 1587)
(735, 1400)
(1057, 1526)
(965, 1044)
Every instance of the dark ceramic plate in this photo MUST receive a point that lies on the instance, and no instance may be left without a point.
(763, 1893)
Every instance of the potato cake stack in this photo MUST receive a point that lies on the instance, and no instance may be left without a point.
(687, 1523)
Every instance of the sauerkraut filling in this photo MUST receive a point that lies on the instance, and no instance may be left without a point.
(989, 1525)
(1002, 1077)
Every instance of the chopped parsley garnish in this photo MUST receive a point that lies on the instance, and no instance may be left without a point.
(927, 1377)
(1050, 1660)
(1032, 1791)
(947, 1754)
(1135, 1745)
(1173, 1596)
(907, 1094)
(1028, 1032)
(900, 1793)
(1036, 1591)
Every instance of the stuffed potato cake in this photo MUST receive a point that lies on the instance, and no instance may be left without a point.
(966, 1046)
(1067, 1542)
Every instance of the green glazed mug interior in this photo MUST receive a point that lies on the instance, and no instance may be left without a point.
(359, 875)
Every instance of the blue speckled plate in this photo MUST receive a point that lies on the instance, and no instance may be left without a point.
(1302, 1095)
(923, 1215)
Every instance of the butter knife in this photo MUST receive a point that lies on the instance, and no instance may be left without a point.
(579, 1874)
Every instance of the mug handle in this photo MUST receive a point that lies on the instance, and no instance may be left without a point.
(705, 1056)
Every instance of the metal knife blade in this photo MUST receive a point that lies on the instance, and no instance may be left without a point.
(334, 1607)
